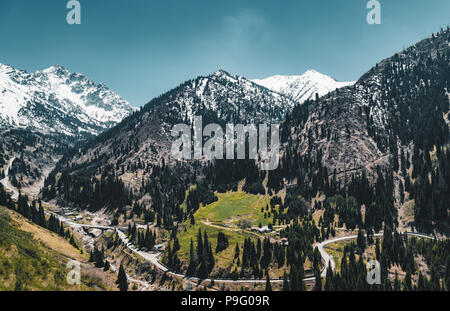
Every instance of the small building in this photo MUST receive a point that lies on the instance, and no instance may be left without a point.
(264, 229)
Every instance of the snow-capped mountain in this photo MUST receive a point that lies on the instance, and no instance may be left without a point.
(222, 98)
(302, 87)
(57, 101)
(146, 135)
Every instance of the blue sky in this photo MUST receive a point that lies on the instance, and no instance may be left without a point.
(142, 48)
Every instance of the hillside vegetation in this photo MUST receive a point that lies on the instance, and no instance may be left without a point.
(33, 258)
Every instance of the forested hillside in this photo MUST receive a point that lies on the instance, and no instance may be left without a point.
(367, 158)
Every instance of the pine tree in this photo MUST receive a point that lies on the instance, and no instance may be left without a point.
(285, 282)
(293, 278)
(329, 279)
(361, 241)
(268, 286)
(122, 280)
(408, 284)
(421, 283)
(236, 251)
(318, 283)
(41, 221)
(199, 245)
(396, 282)
(107, 266)
(192, 260)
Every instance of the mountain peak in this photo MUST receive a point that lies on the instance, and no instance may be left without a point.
(315, 74)
(221, 72)
(302, 87)
(56, 101)
(56, 69)
(5, 67)
(311, 72)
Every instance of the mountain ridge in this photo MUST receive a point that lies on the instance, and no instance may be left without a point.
(55, 100)
(386, 110)
(368, 141)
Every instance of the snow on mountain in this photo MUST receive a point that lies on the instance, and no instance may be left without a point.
(221, 97)
(55, 100)
(302, 87)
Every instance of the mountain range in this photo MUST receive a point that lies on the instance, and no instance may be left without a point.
(366, 160)
(56, 101)
(366, 126)
(62, 105)
(402, 101)
(220, 98)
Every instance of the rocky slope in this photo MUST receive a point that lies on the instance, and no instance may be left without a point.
(219, 98)
(403, 100)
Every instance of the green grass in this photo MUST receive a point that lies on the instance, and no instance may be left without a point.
(233, 207)
(225, 215)
(337, 251)
(26, 263)
(223, 258)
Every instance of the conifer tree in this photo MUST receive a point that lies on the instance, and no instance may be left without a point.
(285, 282)
(122, 280)
(318, 284)
(268, 286)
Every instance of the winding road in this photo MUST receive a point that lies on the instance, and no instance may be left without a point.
(153, 257)
(328, 259)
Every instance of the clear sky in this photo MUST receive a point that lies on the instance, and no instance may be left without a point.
(142, 48)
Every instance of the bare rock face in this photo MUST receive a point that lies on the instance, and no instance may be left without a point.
(338, 128)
